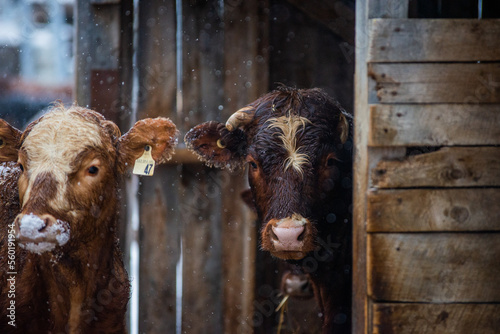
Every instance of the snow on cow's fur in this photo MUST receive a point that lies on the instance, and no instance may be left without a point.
(58, 185)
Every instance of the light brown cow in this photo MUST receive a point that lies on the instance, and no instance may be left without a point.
(61, 270)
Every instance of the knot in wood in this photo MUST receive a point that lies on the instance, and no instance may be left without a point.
(459, 214)
(453, 173)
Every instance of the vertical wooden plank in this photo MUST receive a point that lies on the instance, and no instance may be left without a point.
(97, 57)
(201, 250)
(365, 158)
(202, 61)
(159, 251)
(313, 55)
(202, 94)
(360, 172)
(246, 78)
(160, 225)
(156, 57)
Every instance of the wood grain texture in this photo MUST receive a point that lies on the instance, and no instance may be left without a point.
(387, 9)
(360, 174)
(332, 14)
(433, 40)
(159, 239)
(161, 226)
(419, 210)
(202, 279)
(434, 125)
(435, 318)
(436, 83)
(447, 167)
(434, 267)
(244, 21)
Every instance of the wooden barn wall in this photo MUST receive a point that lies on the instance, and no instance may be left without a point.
(203, 65)
(426, 171)
(196, 213)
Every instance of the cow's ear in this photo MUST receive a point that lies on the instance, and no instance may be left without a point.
(343, 128)
(159, 133)
(217, 146)
(10, 141)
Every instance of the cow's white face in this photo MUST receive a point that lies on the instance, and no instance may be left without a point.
(67, 160)
(54, 147)
(70, 161)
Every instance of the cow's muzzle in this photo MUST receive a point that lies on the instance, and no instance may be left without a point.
(289, 238)
(40, 233)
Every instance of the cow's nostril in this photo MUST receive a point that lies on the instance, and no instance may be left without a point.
(44, 226)
(301, 236)
(274, 236)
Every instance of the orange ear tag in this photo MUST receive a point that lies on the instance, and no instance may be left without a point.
(145, 165)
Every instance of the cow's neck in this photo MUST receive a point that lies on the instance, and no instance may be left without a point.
(331, 279)
(72, 278)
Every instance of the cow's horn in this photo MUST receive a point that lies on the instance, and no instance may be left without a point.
(240, 118)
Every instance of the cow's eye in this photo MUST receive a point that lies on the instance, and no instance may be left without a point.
(93, 170)
(21, 167)
(330, 160)
(253, 165)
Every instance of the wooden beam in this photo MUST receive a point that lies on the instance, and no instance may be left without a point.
(332, 14)
(447, 167)
(435, 318)
(419, 210)
(436, 83)
(428, 40)
(434, 267)
(434, 125)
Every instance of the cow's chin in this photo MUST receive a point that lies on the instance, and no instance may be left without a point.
(38, 247)
(289, 255)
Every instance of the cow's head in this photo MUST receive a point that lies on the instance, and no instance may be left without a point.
(293, 141)
(70, 161)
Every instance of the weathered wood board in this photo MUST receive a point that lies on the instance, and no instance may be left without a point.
(160, 235)
(435, 318)
(436, 82)
(434, 124)
(427, 40)
(418, 210)
(447, 167)
(434, 267)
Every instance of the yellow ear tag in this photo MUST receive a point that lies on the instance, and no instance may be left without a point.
(145, 165)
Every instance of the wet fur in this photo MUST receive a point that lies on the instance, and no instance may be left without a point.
(319, 190)
(81, 287)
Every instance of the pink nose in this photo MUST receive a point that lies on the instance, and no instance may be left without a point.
(288, 235)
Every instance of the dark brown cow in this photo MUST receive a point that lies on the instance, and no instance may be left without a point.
(295, 143)
(60, 265)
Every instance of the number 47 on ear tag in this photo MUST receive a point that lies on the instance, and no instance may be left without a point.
(145, 165)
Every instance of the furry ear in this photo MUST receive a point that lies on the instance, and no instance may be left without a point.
(112, 129)
(10, 141)
(159, 133)
(217, 146)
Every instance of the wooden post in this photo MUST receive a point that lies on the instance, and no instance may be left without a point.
(245, 79)
(160, 224)
(364, 157)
